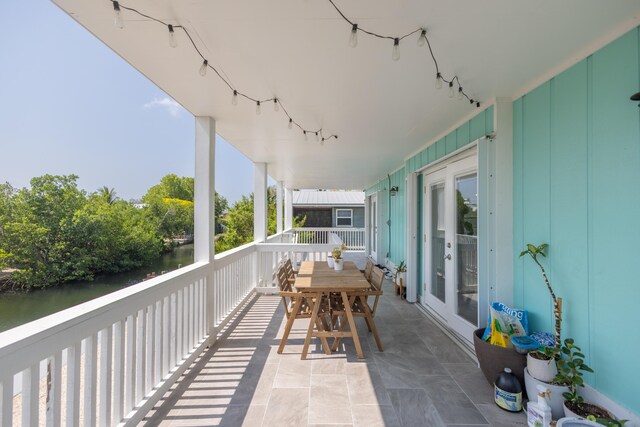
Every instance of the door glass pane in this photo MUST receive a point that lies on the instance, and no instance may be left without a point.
(467, 247)
(437, 242)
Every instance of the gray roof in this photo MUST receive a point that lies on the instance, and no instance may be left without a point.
(328, 198)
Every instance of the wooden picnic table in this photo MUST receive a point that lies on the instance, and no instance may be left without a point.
(315, 280)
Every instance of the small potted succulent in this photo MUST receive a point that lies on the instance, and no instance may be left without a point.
(336, 253)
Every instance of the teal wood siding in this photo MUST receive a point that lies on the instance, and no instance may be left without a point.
(480, 125)
(576, 178)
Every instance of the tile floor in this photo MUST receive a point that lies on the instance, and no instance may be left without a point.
(421, 379)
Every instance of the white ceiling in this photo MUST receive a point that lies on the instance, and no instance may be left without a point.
(382, 110)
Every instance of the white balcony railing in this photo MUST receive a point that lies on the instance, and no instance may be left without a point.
(352, 237)
(108, 361)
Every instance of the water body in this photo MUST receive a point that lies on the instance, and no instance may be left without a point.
(19, 308)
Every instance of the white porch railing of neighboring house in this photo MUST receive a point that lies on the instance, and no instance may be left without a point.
(108, 361)
(352, 237)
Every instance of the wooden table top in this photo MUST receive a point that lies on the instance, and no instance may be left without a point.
(316, 276)
(320, 268)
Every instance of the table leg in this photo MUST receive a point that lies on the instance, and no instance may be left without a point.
(352, 325)
(287, 329)
(312, 321)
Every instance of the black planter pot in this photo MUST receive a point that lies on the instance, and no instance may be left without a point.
(493, 359)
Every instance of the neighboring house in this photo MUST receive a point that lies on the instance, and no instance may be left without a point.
(329, 208)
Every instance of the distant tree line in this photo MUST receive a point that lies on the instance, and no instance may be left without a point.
(53, 232)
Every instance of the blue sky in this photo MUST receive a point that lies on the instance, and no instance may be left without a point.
(69, 105)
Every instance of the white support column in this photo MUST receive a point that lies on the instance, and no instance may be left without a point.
(204, 209)
(367, 225)
(411, 238)
(204, 182)
(288, 209)
(279, 189)
(260, 202)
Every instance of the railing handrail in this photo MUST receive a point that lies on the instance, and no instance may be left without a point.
(57, 330)
(295, 247)
(328, 229)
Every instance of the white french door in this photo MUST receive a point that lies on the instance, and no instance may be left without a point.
(450, 222)
(373, 228)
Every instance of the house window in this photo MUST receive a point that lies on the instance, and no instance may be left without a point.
(344, 217)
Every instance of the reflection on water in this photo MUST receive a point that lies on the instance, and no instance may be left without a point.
(19, 308)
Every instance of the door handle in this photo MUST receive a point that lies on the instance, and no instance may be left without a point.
(448, 256)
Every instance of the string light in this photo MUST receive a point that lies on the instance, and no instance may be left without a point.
(172, 37)
(306, 138)
(317, 137)
(452, 92)
(277, 104)
(353, 37)
(203, 68)
(421, 41)
(117, 15)
(395, 53)
(423, 38)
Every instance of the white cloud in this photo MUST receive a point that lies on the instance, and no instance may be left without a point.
(171, 106)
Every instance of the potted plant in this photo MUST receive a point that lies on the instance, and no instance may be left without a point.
(542, 363)
(401, 270)
(571, 368)
(330, 260)
(336, 253)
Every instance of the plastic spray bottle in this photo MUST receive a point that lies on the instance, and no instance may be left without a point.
(539, 414)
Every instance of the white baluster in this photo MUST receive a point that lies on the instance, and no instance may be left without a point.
(141, 326)
(106, 368)
(30, 394)
(90, 379)
(6, 401)
(118, 371)
(130, 365)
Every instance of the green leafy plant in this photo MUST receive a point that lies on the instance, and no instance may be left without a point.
(571, 368)
(534, 252)
(336, 253)
(607, 421)
(401, 268)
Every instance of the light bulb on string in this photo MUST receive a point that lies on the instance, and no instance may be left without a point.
(478, 104)
(395, 54)
(306, 138)
(438, 80)
(471, 101)
(460, 93)
(423, 38)
(452, 92)
(203, 68)
(258, 108)
(317, 137)
(234, 98)
(172, 37)
(353, 37)
(290, 126)
(322, 142)
(117, 15)
(276, 106)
